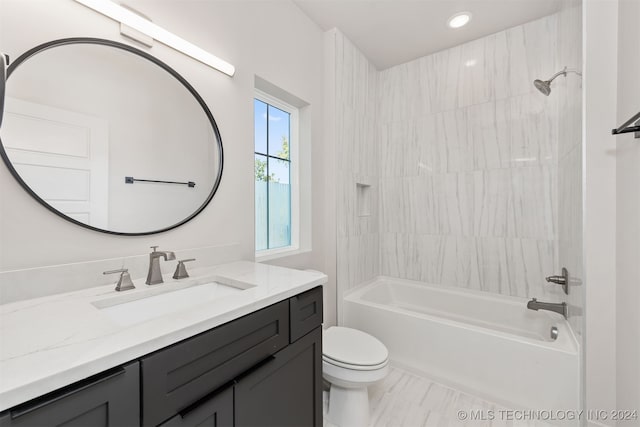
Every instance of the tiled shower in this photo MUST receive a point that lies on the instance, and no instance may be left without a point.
(474, 177)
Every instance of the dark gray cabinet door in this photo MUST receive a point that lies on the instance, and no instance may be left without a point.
(285, 390)
(213, 411)
(109, 399)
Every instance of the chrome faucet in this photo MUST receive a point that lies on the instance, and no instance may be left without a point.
(154, 276)
(561, 308)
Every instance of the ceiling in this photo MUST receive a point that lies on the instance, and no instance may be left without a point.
(391, 32)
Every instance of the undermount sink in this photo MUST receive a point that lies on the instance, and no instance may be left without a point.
(128, 310)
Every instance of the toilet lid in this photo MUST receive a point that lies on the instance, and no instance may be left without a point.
(353, 347)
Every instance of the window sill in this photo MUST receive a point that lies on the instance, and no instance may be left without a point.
(271, 254)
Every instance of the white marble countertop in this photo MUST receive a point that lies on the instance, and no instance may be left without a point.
(49, 342)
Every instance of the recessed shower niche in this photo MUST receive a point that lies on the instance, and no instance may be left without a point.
(363, 199)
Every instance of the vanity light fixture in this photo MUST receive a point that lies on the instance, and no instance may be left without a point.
(138, 23)
(458, 20)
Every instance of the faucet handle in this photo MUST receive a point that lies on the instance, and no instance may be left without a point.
(562, 280)
(124, 282)
(154, 248)
(181, 270)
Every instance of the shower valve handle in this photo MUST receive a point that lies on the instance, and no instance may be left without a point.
(559, 280)
(562, 280)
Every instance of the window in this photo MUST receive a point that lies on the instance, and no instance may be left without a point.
(276, 179)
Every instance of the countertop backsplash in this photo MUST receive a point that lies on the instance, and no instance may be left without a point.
(18, 285)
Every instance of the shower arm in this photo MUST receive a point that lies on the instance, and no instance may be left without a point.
(564, 73)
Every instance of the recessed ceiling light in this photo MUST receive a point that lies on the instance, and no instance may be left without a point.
(459, 20)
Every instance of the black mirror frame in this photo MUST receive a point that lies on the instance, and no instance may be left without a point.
(3, 80)
(88, 40)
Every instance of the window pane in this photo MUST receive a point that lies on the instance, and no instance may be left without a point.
(279, 170)
(261, 195)
(278, 133)
(279, 204)
(260, 126)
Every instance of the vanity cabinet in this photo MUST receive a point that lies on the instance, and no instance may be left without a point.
(111, 398)
(263, 369)
(283, 390)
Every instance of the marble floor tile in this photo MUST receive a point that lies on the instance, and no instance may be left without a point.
(405, 399)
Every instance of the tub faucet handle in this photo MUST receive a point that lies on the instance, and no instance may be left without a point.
(562, 280)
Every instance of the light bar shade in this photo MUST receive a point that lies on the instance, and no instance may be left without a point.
(138, 23)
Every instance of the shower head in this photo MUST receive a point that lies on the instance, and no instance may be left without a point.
(544, 86)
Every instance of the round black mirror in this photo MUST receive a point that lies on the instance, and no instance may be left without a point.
(109, 137)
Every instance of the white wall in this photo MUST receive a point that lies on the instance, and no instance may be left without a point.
(599, 117)
(272, 39)
(612, 207)
(628, 212)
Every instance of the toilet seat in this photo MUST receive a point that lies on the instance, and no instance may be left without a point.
(329, 360)
(352, 349)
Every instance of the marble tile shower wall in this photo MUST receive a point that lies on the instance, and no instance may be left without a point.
(569, 93)
(468, 156)
(356, 163)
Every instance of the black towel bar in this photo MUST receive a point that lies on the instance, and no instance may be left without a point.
(131, 180)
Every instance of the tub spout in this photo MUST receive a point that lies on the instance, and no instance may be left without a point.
(560, 308)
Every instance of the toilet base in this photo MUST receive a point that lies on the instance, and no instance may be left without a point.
(348, 407)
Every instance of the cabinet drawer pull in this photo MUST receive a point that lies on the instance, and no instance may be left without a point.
(208, 400)
(64, 393)
(255, 367)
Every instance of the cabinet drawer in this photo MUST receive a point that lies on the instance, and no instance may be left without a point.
(176, 377)
(108, 399)
(305, 312)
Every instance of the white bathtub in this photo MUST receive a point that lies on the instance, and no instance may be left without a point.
(491, 345)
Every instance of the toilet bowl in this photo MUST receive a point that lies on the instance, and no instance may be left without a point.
(351, 361)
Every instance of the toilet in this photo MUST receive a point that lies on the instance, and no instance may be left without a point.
(352, 360)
